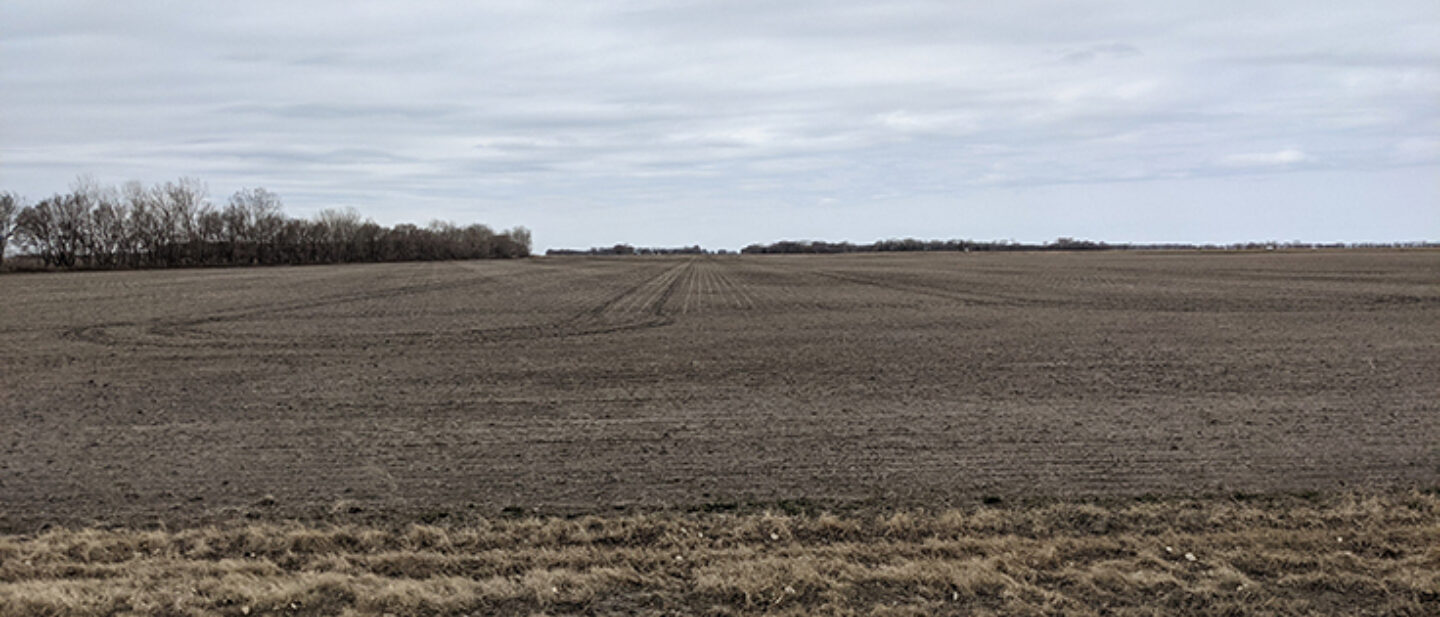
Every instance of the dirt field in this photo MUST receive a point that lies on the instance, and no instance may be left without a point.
(589, 384)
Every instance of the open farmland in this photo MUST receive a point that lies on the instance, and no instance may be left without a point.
(980, 426)
(586, 384)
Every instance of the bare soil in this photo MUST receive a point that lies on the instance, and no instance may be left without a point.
(594, 384)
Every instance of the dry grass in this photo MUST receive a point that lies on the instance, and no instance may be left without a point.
(1351, 555)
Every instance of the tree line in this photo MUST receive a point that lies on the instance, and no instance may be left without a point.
(174, 224)
(914, 245)
(1060, 244)
(626, 249)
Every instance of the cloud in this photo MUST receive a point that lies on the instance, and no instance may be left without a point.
(1419, 151)
(1097, 52)
(518, 112)
(1382, 60)
(1279, 158)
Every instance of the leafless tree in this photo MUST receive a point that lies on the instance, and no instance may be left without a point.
(53, 229)
(521, 237)
(338, 233)
(9, 204)
(173, 224)
(181, 204)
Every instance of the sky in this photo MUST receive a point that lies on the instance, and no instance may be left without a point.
(731, 122)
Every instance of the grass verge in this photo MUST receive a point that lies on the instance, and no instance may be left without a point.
(1340, 554)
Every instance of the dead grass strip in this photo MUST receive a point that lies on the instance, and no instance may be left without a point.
(1370, 555)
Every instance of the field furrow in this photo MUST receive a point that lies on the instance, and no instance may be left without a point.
(581, 384)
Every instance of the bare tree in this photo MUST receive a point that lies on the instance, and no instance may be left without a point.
(210, 231)
(144, 229)
(173, 224)
(41, 229)
(107, 231)
(9, 204)
(251, 218)
(521, 237)
(103, 228)
(339, 231)
(180, 205)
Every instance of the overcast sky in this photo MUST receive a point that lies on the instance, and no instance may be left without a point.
(725, 123)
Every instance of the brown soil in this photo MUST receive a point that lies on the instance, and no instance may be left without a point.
(588, 384)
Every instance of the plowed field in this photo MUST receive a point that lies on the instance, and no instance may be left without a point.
(585, 384)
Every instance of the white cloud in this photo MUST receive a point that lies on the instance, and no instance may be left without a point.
(1412, 150)
(1278, 158)
(529, 113)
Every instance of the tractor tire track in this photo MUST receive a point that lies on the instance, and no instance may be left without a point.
(967, 298)
(637, 307)
(188, 332)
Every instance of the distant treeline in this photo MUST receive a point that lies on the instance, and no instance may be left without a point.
(1062, 244)
(914, 245)
(174, 224)
(626, 249)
